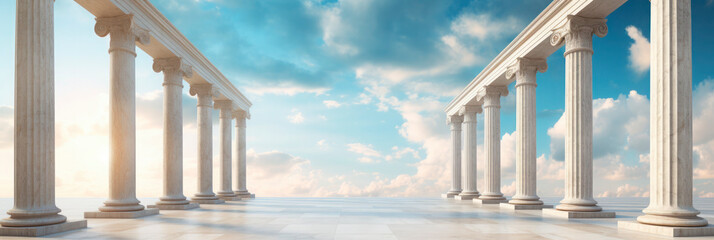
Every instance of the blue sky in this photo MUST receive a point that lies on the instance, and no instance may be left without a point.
(348, 94)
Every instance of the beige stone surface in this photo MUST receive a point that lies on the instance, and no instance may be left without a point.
(225, 118)
(455, 123)
(449, 195)
(635, 226)
(524, 71)
(510, 206)
(204, 105)
(123, 33)
(671, 139)
(34, 118)
(188, 206)
(39, 231)
(240, 155)
(131, 214)
(217, 201)
(470, 146)
(359, 218)
(574, 214)
(227, 199)
(479, 201)
(492, 143)
(577, 33)
(465, 197)
(174, 70)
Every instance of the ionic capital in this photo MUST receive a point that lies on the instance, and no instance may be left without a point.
(240, 117)
(171, 65)
(577, 33)
(525, 66)
(470, 109)
(226, 105)
(124, 32)
(204, 93)
(455, 119)
(469, 112)
(494, 91)
(492, 95)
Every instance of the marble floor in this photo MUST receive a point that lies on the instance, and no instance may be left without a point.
(355, 218)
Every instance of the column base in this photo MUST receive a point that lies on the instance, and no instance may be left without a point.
(229, 199)
(245, 195)
(131, 214)
(43, 230)
(478, 201)
(174, 207)
(510, 206)
(466, 197)
(577, 214)
(667, 231)
(449, 195)
(201, 201)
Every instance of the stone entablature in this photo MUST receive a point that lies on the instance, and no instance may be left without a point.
(166, 41)
(532, 42)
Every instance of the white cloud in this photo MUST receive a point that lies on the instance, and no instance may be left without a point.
(278, 174)
(399, 153)
(639, 50)
(703, 107)
(626, 190)
(334, 29)
(483, 26)
(331, 103)
(620, 124)
(296, 117)
(366, 160)
(364, 99)
(366, 150)
(285, 88)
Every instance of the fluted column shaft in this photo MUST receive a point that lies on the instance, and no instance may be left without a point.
(241, 155)
(492, 142)
(122, 115)
(174, 71)
(671, 117)
(455, 122)
(525, 73)
(577, 34)
(204, 95)
(34, 197)
(225, 118)
(469, 113)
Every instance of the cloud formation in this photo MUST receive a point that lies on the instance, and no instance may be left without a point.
(296, 116)
(639, 50)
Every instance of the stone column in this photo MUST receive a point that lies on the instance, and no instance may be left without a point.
(174, 70)
(122, 202)
(34, 197)
(204, 95)
(242, 191)
(226, 116)
(470, 144)
(455, 122)
(492, 144)
(670, 211)
(525, 73)
(578, 37)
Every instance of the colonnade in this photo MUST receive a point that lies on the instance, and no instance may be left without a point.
(34, 212)
(670, 211)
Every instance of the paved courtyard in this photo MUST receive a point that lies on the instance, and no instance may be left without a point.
(355, 218)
